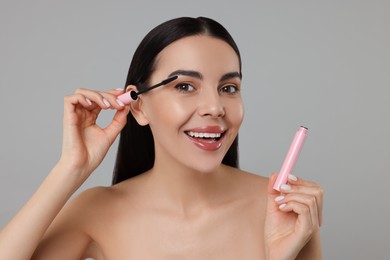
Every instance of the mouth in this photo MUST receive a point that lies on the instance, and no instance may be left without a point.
(205, 136)
(206, 140)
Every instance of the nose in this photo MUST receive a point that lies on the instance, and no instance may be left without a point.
(210, 104)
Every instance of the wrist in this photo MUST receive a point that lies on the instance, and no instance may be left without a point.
(278, 256)
(73, 176)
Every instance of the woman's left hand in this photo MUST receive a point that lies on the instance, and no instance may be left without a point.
(293, 216)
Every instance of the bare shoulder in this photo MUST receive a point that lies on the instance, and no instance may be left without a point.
(82, 210)
(102, 196)
(249, 180)
(249, 192)
(100, 204)
(90, 199)
(75, 222)
(97, 201)
(249, 185)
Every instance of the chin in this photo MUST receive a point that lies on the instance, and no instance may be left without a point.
(206, 167)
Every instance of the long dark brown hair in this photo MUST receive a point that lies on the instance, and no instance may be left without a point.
(136, 146)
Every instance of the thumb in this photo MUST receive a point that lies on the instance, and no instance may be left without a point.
(270, 189)
(117, 124)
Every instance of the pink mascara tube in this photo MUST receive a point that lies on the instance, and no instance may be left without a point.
(291, 157)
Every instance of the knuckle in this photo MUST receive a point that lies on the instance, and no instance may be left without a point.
(79, 90)
(67, 98)
(320, 192)
(294, 188)
(70, 97)
(305, 210)
(312, 200)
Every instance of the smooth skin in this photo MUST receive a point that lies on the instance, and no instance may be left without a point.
(189, 205)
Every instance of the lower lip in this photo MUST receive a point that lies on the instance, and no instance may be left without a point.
(207, 144)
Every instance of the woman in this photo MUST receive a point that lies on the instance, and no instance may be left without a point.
(177, 192)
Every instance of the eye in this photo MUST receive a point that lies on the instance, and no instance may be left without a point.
(230, 89)
(184, 87)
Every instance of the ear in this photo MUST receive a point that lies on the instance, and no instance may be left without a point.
(136, 108)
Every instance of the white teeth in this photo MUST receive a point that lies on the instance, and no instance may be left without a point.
(204, 135)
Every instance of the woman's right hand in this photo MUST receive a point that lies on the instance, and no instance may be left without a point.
(85, 143)
(84, 146)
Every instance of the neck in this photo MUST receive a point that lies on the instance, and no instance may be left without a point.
(186, 189)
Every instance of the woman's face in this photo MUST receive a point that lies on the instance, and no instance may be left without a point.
(195, 118)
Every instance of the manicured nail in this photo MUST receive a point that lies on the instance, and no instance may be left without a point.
(285, 187)
(282, 205)
(292, 177)
(120, 103)
(105, 101)
(279, 198)
(119, 89)
(88, 101)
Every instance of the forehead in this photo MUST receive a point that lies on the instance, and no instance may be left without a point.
(206, 54)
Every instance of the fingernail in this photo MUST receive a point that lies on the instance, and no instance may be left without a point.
(285, 187)
(88, 101)
(119, 89)
(279, 198)
(120, 103)
(292, 177)
(282, 205)
(105, 101)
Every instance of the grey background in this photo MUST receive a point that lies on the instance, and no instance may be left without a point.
(323, 64)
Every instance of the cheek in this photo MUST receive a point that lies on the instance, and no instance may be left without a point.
(235, 113)
(169, 113)
(176, 112)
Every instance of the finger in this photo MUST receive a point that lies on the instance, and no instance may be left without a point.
(117, 124)
(73, 100)
(112, 98)
(271, 182)
(299, 181)
(309, 201)
(79, 110)
(315, 191)
(115, 92)
(96, 97)
(77, 99)
(304, 224)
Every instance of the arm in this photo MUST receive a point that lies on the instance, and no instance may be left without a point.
(21, 236)
(84, 146)
(69, 234)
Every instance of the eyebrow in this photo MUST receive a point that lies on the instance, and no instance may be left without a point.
(231, 75)
(198, 75)
(189, 73)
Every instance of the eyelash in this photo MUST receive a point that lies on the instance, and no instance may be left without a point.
(180, 87)
(183, 87)
(229, 89)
